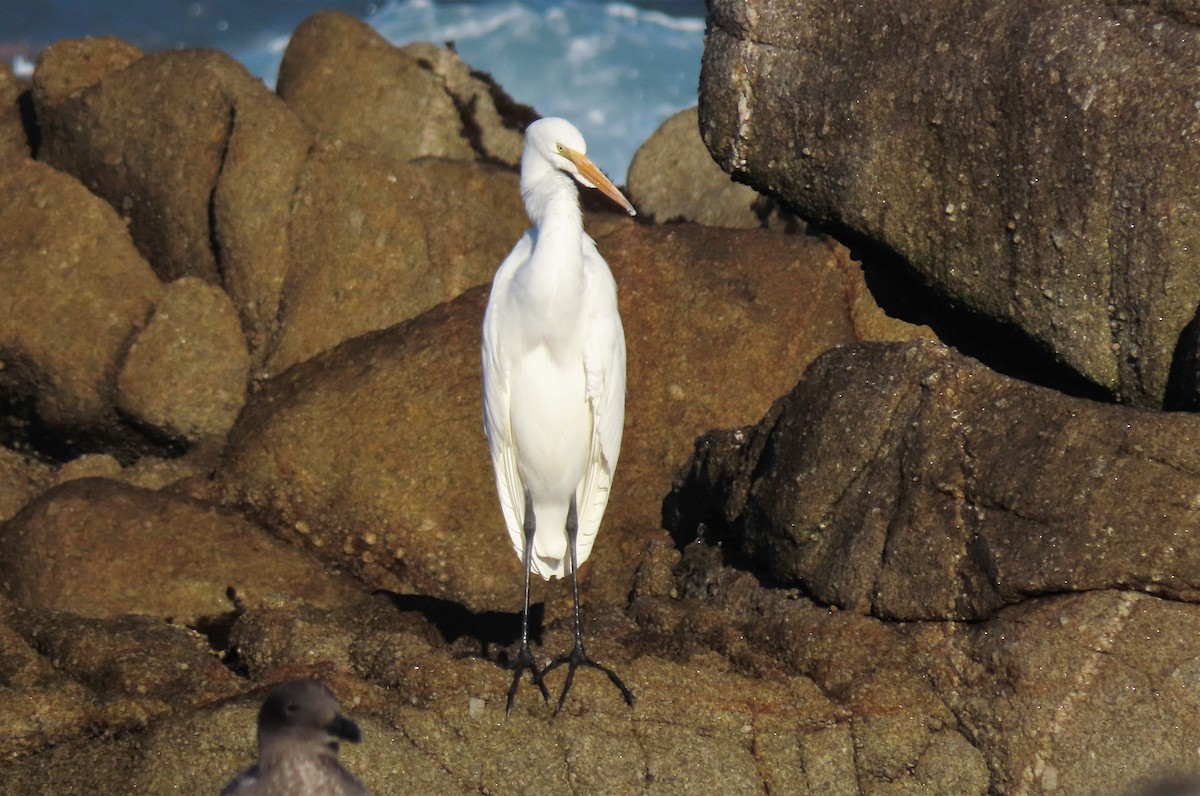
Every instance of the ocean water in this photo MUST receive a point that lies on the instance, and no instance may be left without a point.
(616, 69)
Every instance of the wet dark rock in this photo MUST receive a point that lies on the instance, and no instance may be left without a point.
(1033, 162)
(910, 482)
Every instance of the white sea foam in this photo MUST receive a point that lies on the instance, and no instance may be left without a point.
(614, 69)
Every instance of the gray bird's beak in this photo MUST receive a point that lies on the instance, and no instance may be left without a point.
(342, 727)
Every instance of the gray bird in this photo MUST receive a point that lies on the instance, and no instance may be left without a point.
(300, 728)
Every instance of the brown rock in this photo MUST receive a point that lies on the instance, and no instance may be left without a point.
(67, 68)
(376, 242)
(374, 452)
(349, 83)
(674, 178)
(100, 548)
(1033, 162)
(74, 291)
(122, 660)
(1088, 693)
(186, 372)
(264, 156)
(912, 482)
(158, 166)
(13, 142)
(20, 479)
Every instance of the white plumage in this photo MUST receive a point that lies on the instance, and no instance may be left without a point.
(554, 371)
(554, 359)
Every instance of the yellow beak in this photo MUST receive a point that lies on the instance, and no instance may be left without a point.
(591, 172)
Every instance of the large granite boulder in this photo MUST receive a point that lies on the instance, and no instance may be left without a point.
(673, 178)
(1035, 162)
(910, 482)
(348, 83)
(75, 292)
(374, 454)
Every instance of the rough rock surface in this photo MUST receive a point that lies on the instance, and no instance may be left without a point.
(159, 167)
(314, 243)
(912, 482)
(73, 291)
(347, 82)
(87, 546)
(674, 178)
(369, 456)
(1035, 162)
(323, 450)
(186, 372)
(12, 130)
(375, 242)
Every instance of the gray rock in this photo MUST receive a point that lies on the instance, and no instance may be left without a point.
(908, 481)
(1034, 162)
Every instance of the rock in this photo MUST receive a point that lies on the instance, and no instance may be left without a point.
(910, 482)
(375, 242)
(75, 292)
(13, 142)
(264, 156)
(158, 167)
(1102, 682)
(674, 178)
(186, 372)
(350, 84)
(69, 67)
(99, 548)
(373, 454)
(1033, 163)
(21, 478)
(121, 659)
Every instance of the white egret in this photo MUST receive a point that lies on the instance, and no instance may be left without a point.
(554, 381)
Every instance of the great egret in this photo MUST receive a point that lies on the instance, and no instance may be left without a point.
(554, 381)
(300, 728)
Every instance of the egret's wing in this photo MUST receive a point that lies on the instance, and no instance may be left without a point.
(604, 365)
(496, 393)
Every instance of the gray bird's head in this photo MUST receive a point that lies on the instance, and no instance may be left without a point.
(303, 713)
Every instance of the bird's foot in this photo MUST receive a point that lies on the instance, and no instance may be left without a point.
(524, 660)
(576, 658)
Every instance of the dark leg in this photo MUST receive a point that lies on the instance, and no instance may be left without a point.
(525, 659)
(578, 656)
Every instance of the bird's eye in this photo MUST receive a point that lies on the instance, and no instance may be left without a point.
(559, 147)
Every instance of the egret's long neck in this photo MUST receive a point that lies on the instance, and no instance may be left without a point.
(555, 269)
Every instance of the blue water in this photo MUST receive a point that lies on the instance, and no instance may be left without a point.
(615, 69)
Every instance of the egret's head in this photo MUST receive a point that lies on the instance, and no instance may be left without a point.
(559, 144)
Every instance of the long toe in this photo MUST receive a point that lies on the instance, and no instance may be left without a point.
(523, 660)
(573, 660)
